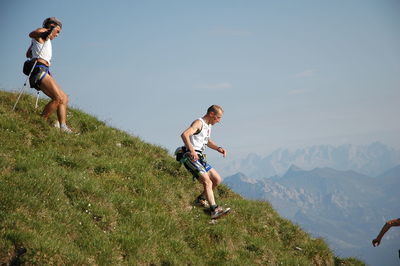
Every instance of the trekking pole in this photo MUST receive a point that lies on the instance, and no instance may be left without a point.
(37, 100)
(30, 73)
(23, 87)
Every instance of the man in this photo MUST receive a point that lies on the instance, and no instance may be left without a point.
(196, 138)
(385, 228)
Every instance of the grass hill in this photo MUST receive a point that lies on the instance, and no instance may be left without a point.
(105, 197)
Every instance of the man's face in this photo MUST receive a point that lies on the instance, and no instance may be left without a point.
(215, 117)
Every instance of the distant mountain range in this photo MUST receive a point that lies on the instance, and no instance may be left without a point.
(371, 160)
(345, 207)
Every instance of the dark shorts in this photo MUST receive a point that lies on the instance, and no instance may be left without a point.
(198, 167)
(38, 73)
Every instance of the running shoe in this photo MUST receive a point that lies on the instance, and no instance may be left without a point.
(219, 212)
(201, 202)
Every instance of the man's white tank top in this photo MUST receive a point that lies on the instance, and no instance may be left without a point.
(200, 140)
(45, 52)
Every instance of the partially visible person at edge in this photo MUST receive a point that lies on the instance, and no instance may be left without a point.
(196, 138)
(41, 78)
(385, 228)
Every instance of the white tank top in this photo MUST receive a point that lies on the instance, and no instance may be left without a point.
(200, 140)
(45, 52)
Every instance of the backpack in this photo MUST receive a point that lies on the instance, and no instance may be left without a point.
(179, 152)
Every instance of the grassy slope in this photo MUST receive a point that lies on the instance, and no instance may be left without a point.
(105, 197)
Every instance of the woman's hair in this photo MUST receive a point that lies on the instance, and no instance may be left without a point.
(49, 21)
(214, 108)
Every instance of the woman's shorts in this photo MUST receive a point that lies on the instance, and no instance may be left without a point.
(198, 167)
(38, 73)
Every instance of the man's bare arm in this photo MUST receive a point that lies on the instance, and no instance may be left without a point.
(193, 129)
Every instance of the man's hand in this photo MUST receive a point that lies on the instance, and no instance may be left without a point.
(193, 156)
(376, 242)
(222, 150)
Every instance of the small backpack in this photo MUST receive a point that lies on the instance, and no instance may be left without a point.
(179, 152)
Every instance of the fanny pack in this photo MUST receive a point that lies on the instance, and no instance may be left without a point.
(180, 151)
(28, 65)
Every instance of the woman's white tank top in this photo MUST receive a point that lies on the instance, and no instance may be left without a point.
(200, 140)
(44, 49)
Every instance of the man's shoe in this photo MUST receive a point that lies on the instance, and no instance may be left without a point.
(219, 212)
(201, 202)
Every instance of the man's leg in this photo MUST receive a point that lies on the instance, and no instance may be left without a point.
(210, 180)
(205, 179)
(215, 177)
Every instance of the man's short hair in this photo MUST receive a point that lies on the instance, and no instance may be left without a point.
(214, 108)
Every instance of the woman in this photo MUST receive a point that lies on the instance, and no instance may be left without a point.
(41, 79)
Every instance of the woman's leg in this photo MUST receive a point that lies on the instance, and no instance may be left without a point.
(59, 100)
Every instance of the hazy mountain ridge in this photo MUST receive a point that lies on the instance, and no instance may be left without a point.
(345, 207)
(370, 160)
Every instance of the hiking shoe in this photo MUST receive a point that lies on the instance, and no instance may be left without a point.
(201, 202)
(66, 129)
(219, 212)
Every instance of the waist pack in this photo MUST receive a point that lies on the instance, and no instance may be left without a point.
(28, 65)
(180, 151)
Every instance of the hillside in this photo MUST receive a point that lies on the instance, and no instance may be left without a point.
(107, 198)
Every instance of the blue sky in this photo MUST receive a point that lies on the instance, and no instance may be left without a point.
(288, 73)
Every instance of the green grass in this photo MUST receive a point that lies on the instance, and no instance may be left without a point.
(108, 198)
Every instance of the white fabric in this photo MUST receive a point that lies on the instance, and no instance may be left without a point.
(45, 50)
(200, 140)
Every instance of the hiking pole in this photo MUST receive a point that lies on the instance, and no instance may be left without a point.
(37, 100)
(30, 73)
(23, 87)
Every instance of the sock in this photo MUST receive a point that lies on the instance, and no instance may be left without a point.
(213, 207)
(63, 125)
